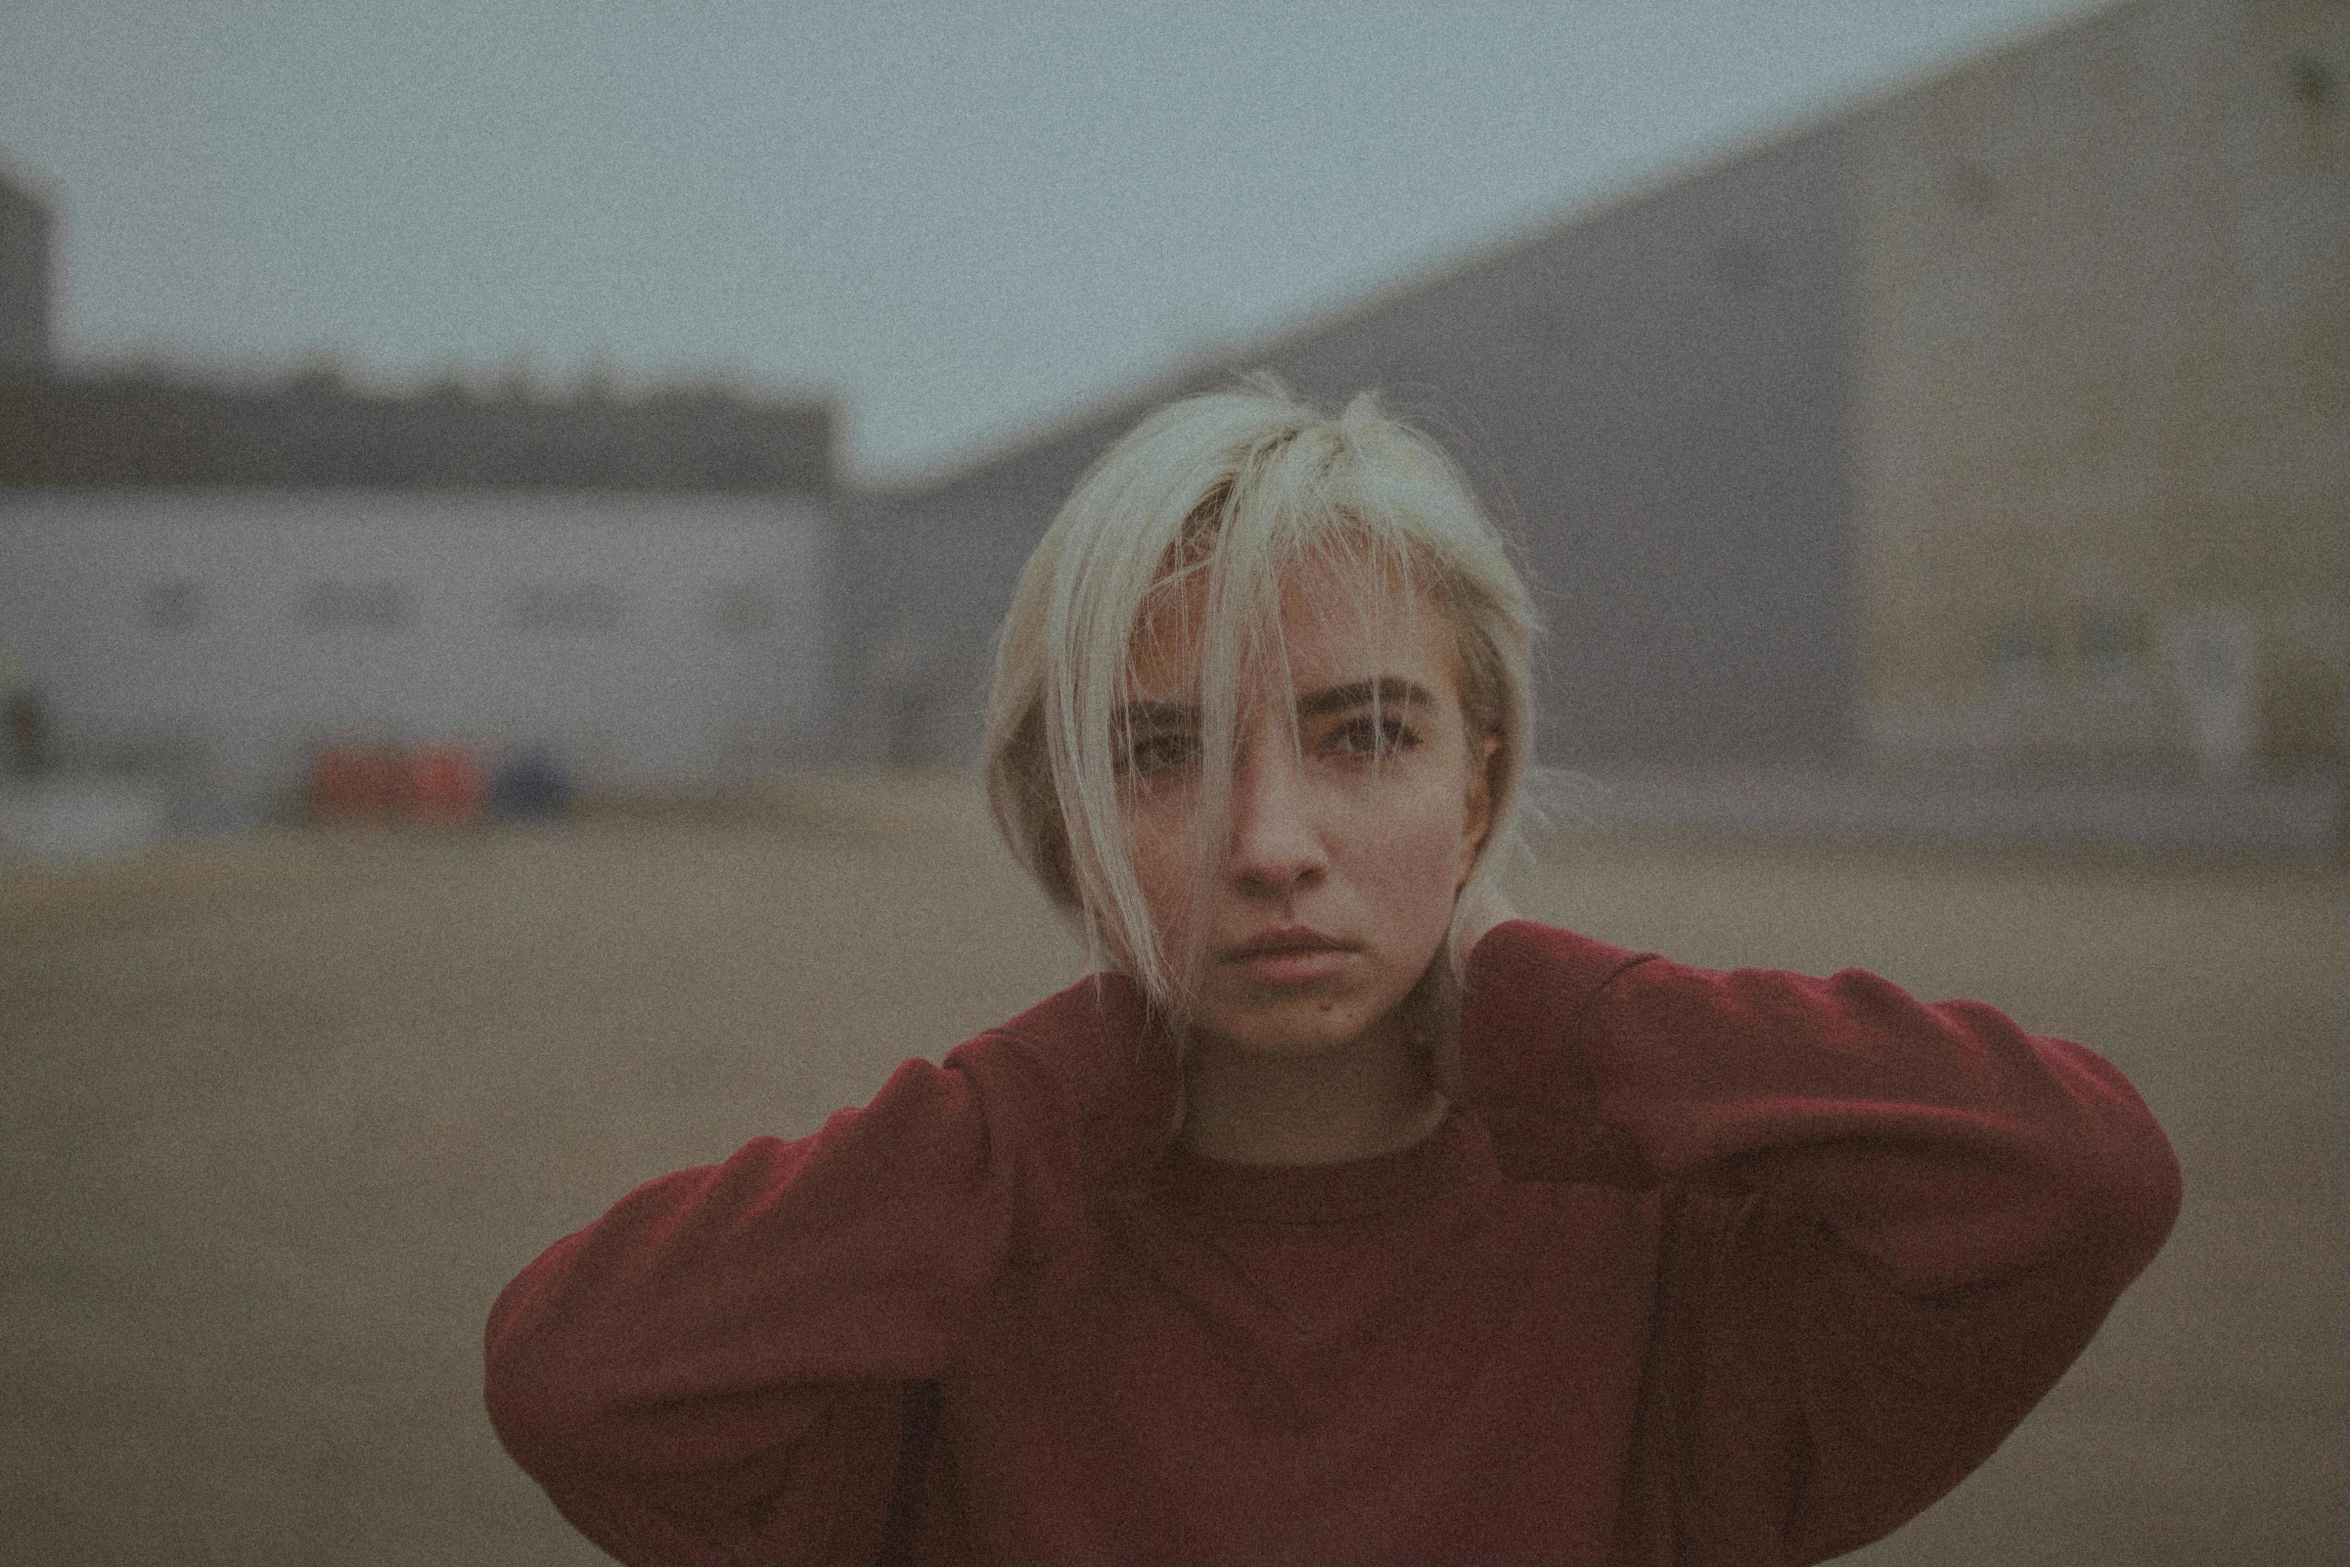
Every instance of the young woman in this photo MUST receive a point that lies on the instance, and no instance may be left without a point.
(1343, 1217)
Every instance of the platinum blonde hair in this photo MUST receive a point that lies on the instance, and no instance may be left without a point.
(1226, 496)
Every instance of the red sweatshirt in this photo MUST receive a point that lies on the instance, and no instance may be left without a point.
(1705, 1268)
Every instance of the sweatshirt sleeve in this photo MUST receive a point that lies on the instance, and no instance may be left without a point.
(712, 1372)
(1888, 1227)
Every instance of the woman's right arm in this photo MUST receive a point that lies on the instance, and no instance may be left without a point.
(711, 1371)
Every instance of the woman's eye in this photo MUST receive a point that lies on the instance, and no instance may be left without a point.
(1155, 754)
(1366, 737)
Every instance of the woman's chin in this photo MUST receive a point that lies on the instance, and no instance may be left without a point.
(1305, 1024)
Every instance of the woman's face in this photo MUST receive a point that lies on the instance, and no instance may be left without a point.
(1348, 837)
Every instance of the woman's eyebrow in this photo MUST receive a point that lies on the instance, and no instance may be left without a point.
(1390, 692)
(1157, 715)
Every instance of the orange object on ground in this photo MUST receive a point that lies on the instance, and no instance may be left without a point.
(444, 786)
(353, 785)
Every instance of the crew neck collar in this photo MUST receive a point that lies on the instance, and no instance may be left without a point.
(1322, 1193)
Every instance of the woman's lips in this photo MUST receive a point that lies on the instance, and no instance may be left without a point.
(1290, 957)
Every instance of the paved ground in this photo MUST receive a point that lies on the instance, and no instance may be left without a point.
(276, 1124)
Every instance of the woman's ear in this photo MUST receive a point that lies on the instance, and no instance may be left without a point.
(1477, 820)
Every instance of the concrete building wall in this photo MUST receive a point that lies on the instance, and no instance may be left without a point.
(2104, 392)
(1651, 398)
(220, 636)
(26, 283)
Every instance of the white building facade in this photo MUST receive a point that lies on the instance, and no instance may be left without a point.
(219, 637)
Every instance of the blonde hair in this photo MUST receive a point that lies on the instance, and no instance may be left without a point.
(1230, 492)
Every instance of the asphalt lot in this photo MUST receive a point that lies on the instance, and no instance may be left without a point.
(277, 1121)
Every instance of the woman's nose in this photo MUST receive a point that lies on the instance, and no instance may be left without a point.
(1275, 847)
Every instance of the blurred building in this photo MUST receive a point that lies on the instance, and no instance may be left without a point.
(2102, 431)
(2005, 419)
(208, 581)
(26, 242)
(219, 636)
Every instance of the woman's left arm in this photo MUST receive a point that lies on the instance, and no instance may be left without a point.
(1891, 1225)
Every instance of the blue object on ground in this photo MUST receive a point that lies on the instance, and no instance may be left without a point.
(531, 785)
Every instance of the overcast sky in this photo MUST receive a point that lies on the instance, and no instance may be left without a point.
(961, 220)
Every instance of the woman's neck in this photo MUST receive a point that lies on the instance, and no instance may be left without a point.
(1368, 1097)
